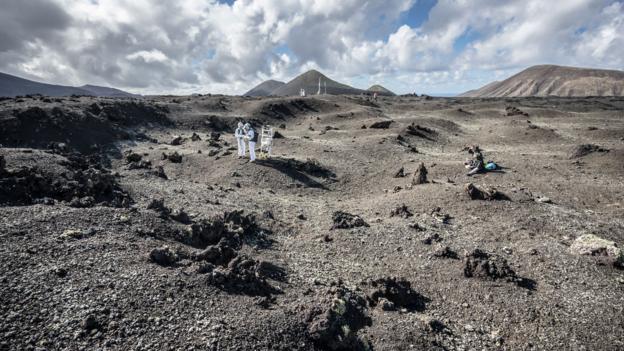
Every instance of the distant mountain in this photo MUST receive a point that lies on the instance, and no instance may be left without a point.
(380, 90)
(310, 82)
(106, 91)
(265, 88)
(551, 80)
(13, 86)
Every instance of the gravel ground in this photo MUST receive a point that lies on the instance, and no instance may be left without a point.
(118, 235)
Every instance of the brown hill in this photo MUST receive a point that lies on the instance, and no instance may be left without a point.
(550, 80)
(310, 82)
(265, 88)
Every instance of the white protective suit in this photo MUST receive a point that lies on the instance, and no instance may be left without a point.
(251, 136)
(240, 139)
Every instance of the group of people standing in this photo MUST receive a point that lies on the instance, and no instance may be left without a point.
(246, 132)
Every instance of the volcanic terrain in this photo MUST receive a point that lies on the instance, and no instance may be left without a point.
(131, 224)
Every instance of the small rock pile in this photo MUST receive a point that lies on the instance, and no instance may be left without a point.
(344, 220)
(81, 186)
(333, 323)
(514, 111)
(173, 157)
(394, 293)
(401, 211)
(483, 265)
(586, 149)
(136, 161)
(163, 256)
(381, 125)
(421, 132)
(165, 212)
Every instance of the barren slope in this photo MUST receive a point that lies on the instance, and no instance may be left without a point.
(550, 80)
(265, 88)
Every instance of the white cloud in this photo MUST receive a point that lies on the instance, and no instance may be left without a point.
(149, 46)
(148, 56)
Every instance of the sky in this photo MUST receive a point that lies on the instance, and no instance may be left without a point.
(209, 46)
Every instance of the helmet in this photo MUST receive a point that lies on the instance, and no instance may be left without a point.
(240, 124)
(247, 126)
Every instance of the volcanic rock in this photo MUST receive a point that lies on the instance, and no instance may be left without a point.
(133, 157)
(177, 140)
(514, 111)
(602, 250)
(398, 291)
(160, 172)
(2, 164)
(344, 220)
(586, 149)
(420, 176)
(173, 157)
(480, 264)
(158, 205)
(443, 251)
(333, 323)
(401, 211)
(489, 193)
(163, 256)
(400, 173)
(381, 125)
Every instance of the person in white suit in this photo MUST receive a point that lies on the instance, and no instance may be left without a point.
(252, 138)
(239, 133)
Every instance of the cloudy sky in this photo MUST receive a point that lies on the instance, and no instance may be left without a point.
(186, 46)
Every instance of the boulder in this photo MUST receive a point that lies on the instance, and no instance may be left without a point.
(333, 323)
(397, 291)
(604, 251)
(400, 173)
(133, 157)
(177, 140)
(381, 125)
(91, 323)
(483, 265)
(163, 256)
(180, 215)
(420, 176)
(160, 172)
(401, 211)
(443, 251)
(174, 157)
(488, 193)
(344, 220)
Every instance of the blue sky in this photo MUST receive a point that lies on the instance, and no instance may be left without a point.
(210, 46)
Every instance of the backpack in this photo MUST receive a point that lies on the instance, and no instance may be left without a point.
(255, 136)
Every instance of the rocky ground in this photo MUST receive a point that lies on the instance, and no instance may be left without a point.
(131, 225)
